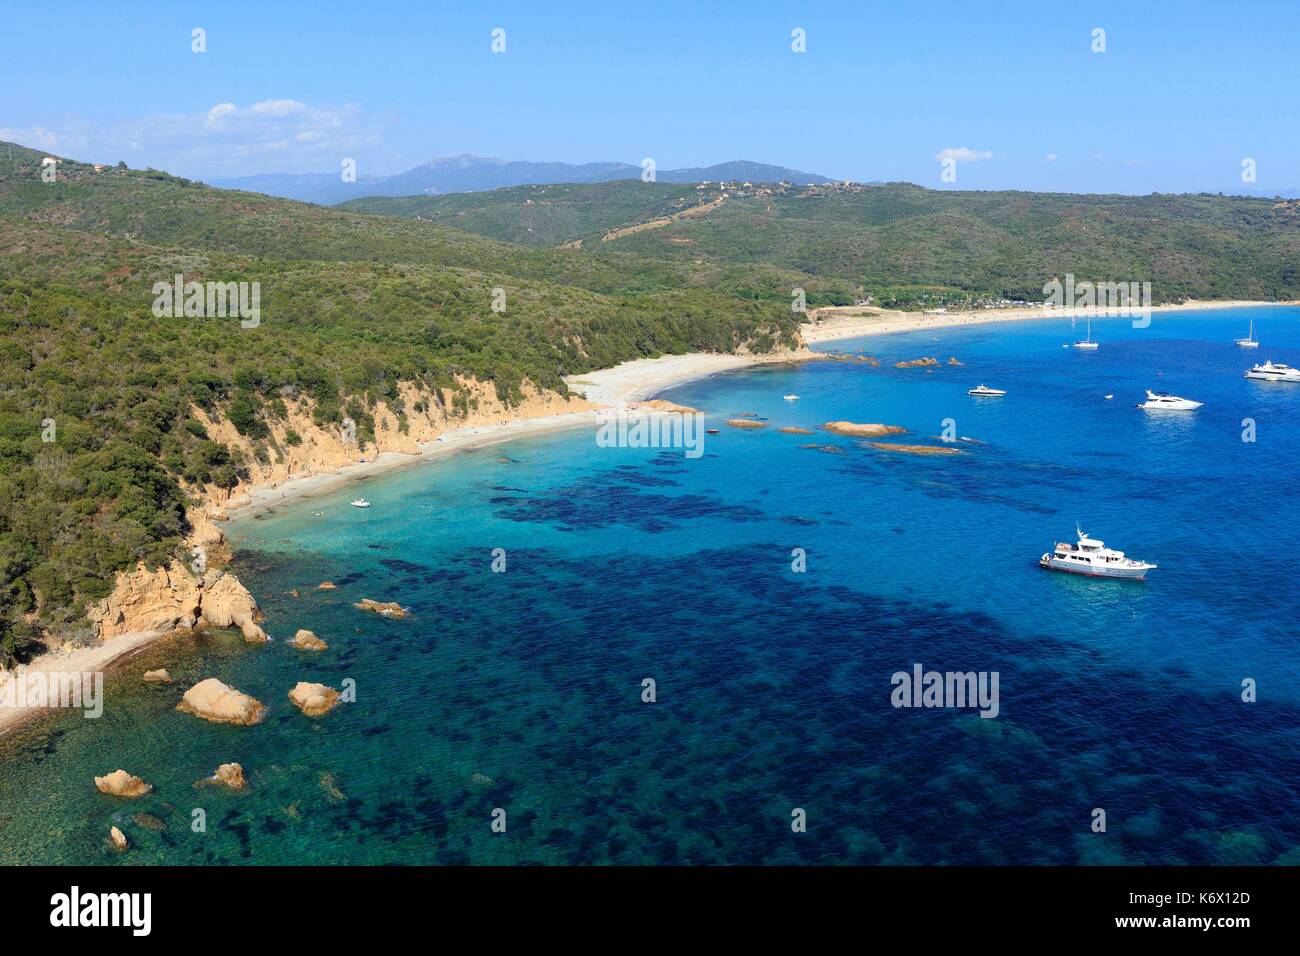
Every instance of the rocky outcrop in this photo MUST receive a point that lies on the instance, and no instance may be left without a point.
(229, 775)
(385, 608)
(917, 363)
(326, 586)
(869, 430)
(214, 701)
(314, 699)
(305, 640)
(161, 599)
(159, 676)
(172, 599)
(226, 603)
(117, 838)
(178, 597)
(745, 423)
(119, 783)
(792, 430)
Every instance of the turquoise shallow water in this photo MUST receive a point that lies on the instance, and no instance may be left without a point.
(521, 690)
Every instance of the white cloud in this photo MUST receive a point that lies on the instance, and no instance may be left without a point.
(272, 135)
(961, 154)
(38, 137)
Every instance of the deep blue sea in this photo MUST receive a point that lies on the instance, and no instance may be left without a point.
(522, 691)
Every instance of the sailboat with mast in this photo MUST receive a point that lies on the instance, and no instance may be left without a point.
(1087, 342)
(1249, 342)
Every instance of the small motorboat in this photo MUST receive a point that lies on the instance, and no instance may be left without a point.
(791, 398)
(985, 390)
(361, 503)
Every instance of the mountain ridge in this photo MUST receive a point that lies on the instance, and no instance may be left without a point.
(465, 172)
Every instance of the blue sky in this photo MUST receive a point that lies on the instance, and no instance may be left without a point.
(1184, 92)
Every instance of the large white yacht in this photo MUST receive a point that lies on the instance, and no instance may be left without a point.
(985, 390)
(1249, 342)
(1163, 401)
(1274, 372)
(1092, 557)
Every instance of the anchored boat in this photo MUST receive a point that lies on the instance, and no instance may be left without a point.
(1163, 401)
(1091, 557)
(1274, 372)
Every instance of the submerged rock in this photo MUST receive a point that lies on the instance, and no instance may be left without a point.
(305, 640)
(915, 449)
(214, 701)
(314, 700)
(870, 430)
(385, 608)
(117, 838)
(149, 821)
(663, 405)
(792, 430)
(119, 783)
(230, 775)
(159, 676)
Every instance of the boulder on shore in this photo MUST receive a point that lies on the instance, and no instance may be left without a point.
(160, 676)
(314, 700)
(230, 775)
(384, 608)
(117, 838)
(119, 783)
(214, 701)
(305, 640)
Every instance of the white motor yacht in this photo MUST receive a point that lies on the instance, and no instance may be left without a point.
(361, 503)
(985, 390)
(1091, 557)
(1163, 401)
(1274, 372)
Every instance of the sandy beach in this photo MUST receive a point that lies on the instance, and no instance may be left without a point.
(621, 385)
(849, 322)
(95, 658)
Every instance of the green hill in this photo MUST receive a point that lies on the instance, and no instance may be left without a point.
(899, 242)
(351, 306)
